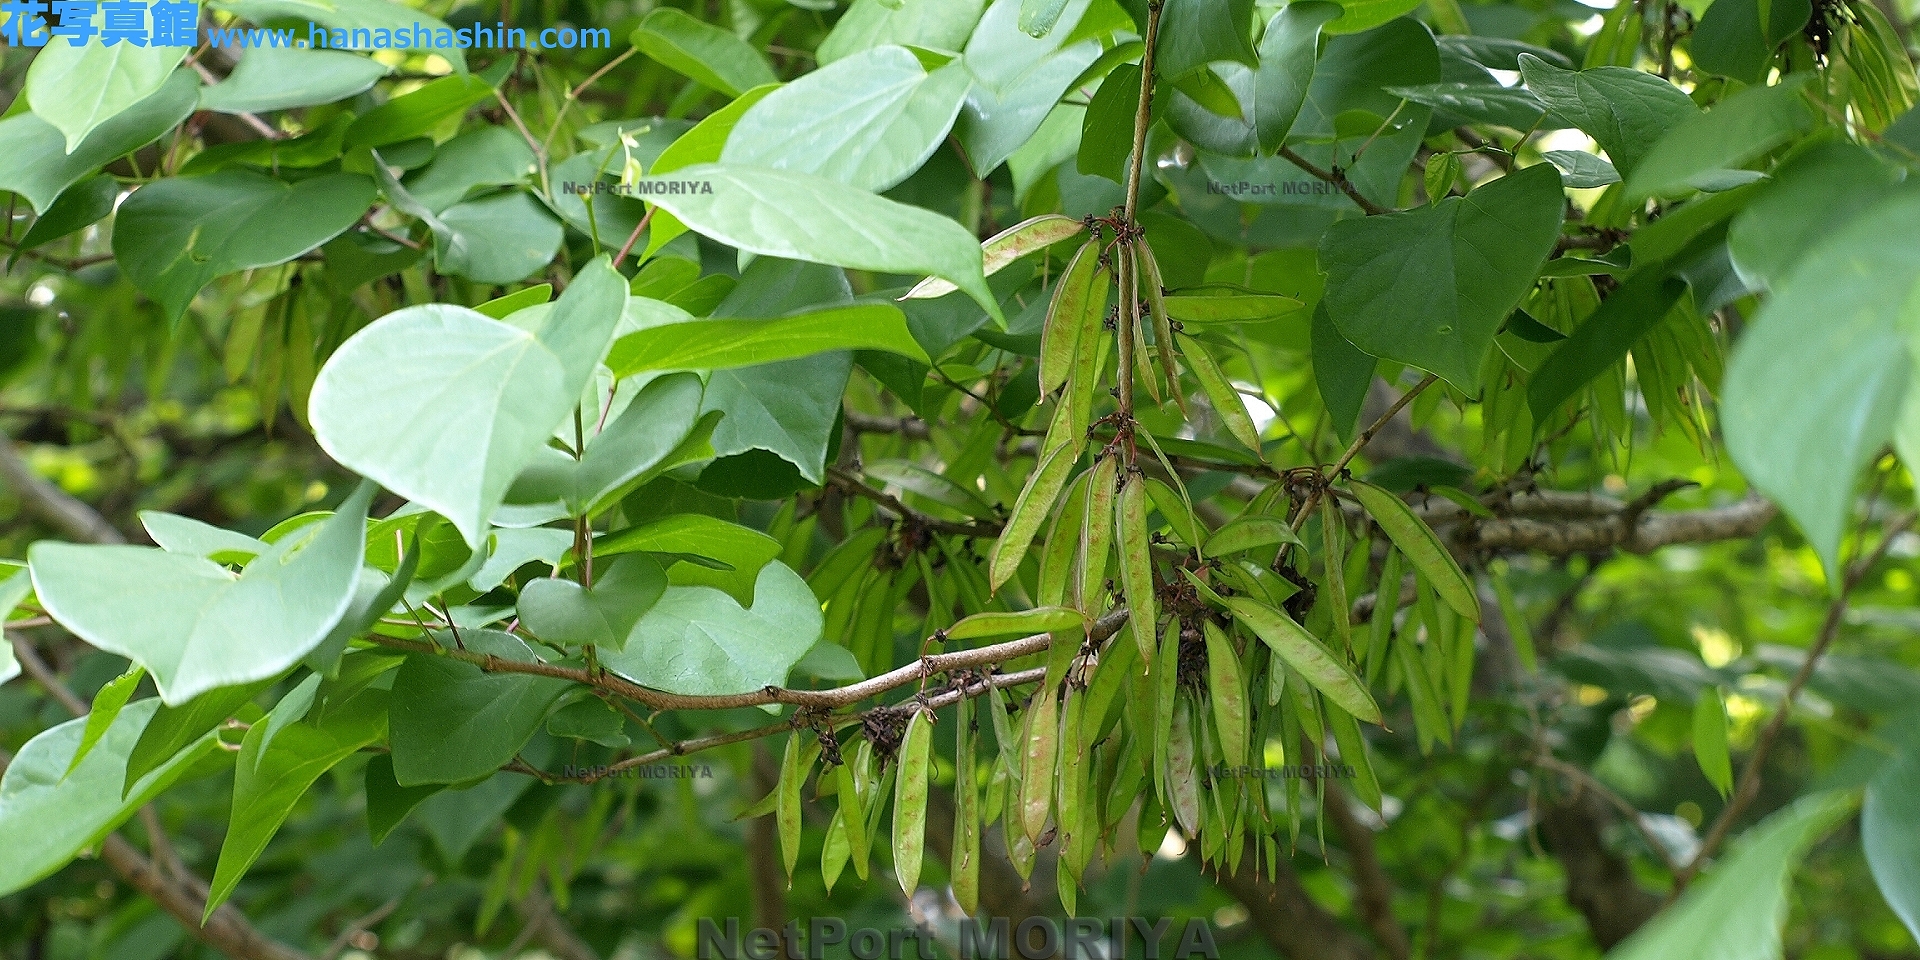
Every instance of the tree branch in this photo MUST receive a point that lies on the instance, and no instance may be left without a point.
(54, 506)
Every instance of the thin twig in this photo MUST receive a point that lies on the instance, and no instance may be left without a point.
(1748, 788)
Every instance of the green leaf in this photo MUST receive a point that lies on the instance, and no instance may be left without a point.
(452, 722)
(1742, 127)
(487, 157)
(1736, 912)
(452, 427)
(1623, 109)
(742, 551)
(1814, 193)
(786, 409)
(1602, 339)
(591, 719)
(869, 120)
(564, 613)
(1342, 372)
(34, 161)
(271, 777)
(707, 54)
(1845, 310)
(654, 433)
(722, 344)
(699, 641)
(75, 210)
(1429, 287)
(49, 814)
(417, 114)
(499, 239)
(281, 78)
(1888, 834)
(388, 802)
(1710, 740)
(1364, 15)
(1288, 52)
(107, 704)
(175, 235)
(1017, 81)
(1736, 38)
(501, 308)
(78, 89)
(177, 534)
(1194, 33)
(1483, 103)
(1580, 170)
(1293, 644)
(1036, 620)
(174, 729)
(345, 15)
(192, 624)
(872, 23)
(799, 216)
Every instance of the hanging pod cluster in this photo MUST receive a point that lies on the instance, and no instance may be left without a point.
(1211, 677)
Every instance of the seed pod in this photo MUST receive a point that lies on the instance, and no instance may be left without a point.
(1063, 537)
(1353, 752)
(965, 860)
(1333, 545)
(1127, 776)
(1089, 357)
(1220, 392)
(1516, 622)
(833, 856)
(1042, 739)
(939, 601)
(1153, 827)
(1249, 532)
(995, 802)
(1306, 656)
(1006, 246)
(1460, 665)
(788, 815)
(1096, 535)
(1131, 322)
(910, 801)
(1422, 546)
(1386, 602)
(1109, 676)
(1710, 740)
(1036, 620)
(1004, 733)
(1183, 785)
(1066, 317)
(1166, 701)
(1136, 561)
(1228, 694)
(1071, 778)
(853, 810)
(1036, 501)
(1429, 721)
(872, 642)
(851, 556)
(1172, 504)
(1162, 324)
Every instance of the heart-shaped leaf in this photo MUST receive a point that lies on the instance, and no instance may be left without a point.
(656, 432)
(699, 641)
(77, 89)
(1623, 109)
(799, 216)
(1429, 287)
(190, 622)
(563, 612)
(452, 722)
(48, 814)
(175, 235)
(444, 406)
(33, 154)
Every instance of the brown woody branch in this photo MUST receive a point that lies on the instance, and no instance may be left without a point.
(54, 506)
